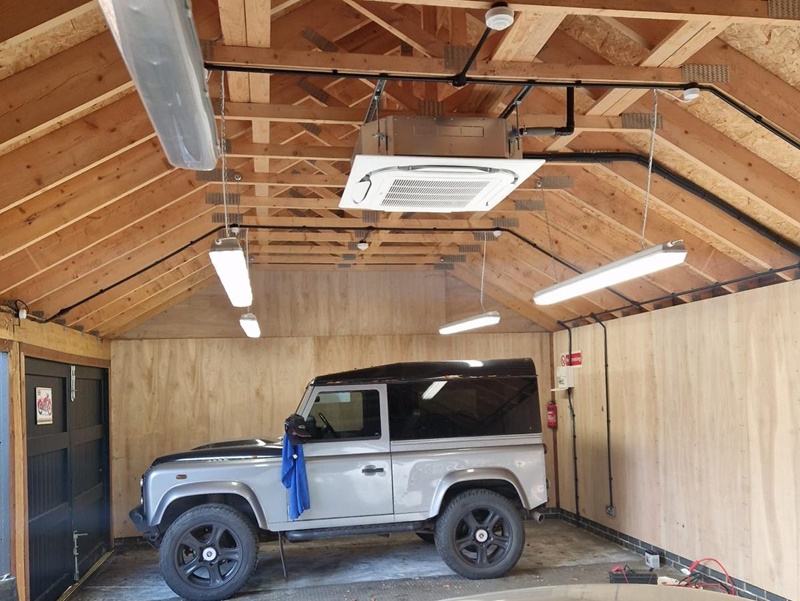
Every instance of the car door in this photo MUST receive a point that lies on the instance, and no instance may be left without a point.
(348, 462)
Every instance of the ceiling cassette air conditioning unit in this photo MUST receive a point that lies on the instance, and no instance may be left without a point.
(435, 165)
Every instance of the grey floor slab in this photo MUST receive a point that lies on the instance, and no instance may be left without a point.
(397, 568)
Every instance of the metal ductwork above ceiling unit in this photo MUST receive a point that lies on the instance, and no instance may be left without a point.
(435, 165)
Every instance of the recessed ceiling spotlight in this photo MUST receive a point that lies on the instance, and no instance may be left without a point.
(499, 17)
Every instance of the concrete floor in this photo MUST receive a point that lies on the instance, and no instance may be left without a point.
(399, 568)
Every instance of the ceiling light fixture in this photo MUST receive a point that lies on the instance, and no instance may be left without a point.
(249, 324)
(363, 245)
(635, 266)
(690, 94)
(159, 45)
(230, 264)
(499, 16)
(487, 318)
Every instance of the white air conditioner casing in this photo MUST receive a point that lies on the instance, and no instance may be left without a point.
(435, 165)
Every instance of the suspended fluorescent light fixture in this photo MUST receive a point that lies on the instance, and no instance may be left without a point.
(249, 324)
(230, 264)
(642, 263)
(489, 318)
(158, 42)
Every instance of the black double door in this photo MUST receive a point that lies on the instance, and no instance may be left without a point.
(68, 473)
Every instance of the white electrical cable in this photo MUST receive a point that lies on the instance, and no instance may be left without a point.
(650, 164)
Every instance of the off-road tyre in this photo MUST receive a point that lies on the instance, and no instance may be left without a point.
(208, 553)
(480, 534)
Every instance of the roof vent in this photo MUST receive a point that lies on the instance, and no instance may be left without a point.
(434, 165)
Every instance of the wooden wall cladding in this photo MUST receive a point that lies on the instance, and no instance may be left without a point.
(705, 429)
(333, 303)
(169, 395)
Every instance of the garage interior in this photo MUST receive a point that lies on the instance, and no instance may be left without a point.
(677, 392)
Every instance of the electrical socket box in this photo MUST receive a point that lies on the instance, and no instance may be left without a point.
(652, 560)
(565, 378)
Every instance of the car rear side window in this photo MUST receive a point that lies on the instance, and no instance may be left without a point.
(463, 407)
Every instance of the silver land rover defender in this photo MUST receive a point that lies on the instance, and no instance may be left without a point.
(451, 451)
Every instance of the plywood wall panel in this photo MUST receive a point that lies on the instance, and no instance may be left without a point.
(175, 394)
(705, 421)
(307, 303)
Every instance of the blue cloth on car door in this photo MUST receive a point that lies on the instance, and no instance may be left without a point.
(293, 476)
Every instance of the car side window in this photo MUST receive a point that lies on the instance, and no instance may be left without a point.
(459, 408)
(345, 414)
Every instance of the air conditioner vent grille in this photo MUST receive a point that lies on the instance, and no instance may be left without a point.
(433, 193)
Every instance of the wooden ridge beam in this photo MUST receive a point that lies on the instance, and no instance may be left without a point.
(734, 11)
(383, 236)
(235, 111)
(326, 267)
(377, 65)
(429, 259)
(376, 249)
(358, 224)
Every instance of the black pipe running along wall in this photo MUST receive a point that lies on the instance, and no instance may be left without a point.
(574, 431)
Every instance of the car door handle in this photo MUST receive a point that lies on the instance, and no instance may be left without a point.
(371, 469)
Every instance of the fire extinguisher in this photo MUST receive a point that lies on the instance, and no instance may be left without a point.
(552, 415)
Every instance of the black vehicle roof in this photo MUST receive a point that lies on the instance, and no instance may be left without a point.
(428, 370)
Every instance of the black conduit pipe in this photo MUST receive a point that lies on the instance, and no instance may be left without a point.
(393, 228)
(574, 432)
(529, 83)
(749, 113)
(567, 130)
(674, 178)
(610, 509)
(460, 79)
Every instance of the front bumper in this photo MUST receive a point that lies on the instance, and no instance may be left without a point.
(150, 534)
(139, 519)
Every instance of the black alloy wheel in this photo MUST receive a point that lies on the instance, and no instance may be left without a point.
(208, 553)
(480, 534)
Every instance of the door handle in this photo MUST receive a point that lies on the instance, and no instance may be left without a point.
(371, 469)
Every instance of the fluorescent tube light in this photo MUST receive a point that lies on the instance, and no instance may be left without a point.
(229, 261)
(642, 263)
(489, 318)
(250, 326)
(159, 45)
(433, 390)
